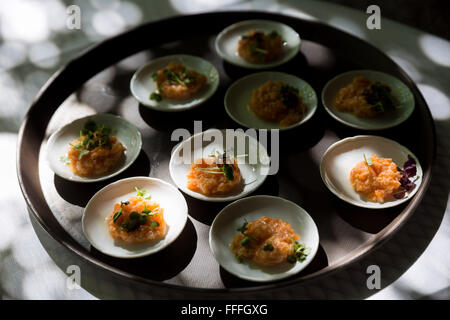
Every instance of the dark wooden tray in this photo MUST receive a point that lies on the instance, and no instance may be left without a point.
(347, 232)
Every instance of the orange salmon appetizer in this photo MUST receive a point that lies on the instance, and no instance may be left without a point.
(95, 152)
(268, 242)
(378, 179)
(277, 102)
(210, 177)
(257, 47)
(364, 98)
(137, 220)
(177, 82)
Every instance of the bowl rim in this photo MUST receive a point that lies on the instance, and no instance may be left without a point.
(118, 182)
(52, 138)
(358, 203)
(315, 230)
(206, 97)
(203, 197)
(355, 125)
(254, 66)
(256, 74)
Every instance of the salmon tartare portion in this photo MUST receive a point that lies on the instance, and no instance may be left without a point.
(376, 178)
(137, 220)
(211, 178)
(257, 47)
(95, 152)
(265, 242)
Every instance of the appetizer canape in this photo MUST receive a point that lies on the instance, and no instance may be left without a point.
(137, 220)
(177, 82)
(95, 152)
(268, 242)
(364, 98)
(380, 179)
(277, 102)
(257, 47)
(215, 175)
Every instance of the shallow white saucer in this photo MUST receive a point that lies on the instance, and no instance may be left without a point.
(400, 93)
(227, 42)
(58, 145)
(225, 225)
(254, 169)
(238, 96)
(142, 83)
(98, 209)
(340, 158)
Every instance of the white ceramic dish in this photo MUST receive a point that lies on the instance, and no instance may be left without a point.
(58, 145)
(227, 42)
(98, 209)
(142, 83)
(253, 169)
(238, 96)
(400, 93)
(223, 230)
(340, 158)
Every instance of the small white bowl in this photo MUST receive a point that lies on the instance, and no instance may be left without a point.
(58, 145)
(99, 208)
(400, 93)
(340, 158)
(223, 230)
(142, 83)
(238, 96)
(253, 170)
(227, 42)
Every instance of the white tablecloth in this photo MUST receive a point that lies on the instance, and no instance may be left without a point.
(414, 263)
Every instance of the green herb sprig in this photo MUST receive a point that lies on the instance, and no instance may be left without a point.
(222, 167)
(91, 137)
(368, 161)
(247, 238)
(300, 253)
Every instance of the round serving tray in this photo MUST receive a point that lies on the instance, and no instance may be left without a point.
(98, 81)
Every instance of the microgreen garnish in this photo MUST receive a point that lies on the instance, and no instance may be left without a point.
(377, 96)
(247, 238)
(409, 171)
(91, 137)
(228, 171)
(221, 167)
(155, 76)
(119, 213)
(136, 220)
(268, 247)
(245, 241)
(82, 153)
(172, 76)
(243, 228)
(155, 96)
(64, 159)
(154, 224)
(142, 193)
(273, 34)
(300, 253)
(288, 95)
(239, 258)
(368, 161)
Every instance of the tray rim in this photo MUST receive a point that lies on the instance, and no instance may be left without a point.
(381, 237)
